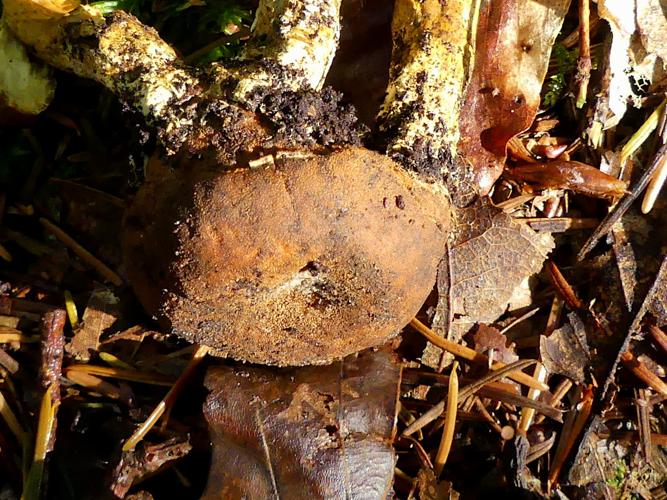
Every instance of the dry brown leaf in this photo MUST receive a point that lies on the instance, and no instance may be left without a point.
(566, 351)
(101, 312)
(490, 256)
(134, 466)
(312, 432)
(487, 338)
(514, 40)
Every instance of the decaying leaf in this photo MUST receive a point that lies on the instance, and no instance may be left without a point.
(146, 460)
(514, 40)
(489, 258)
(566, 351)
(312, 432)
(638, 50)
(101, 312)
(430, 488)
(489, 338)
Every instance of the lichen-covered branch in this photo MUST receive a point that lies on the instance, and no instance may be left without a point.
(293, 44)
(26, 86)
(119, 52)
(292, 48)
(431, 58)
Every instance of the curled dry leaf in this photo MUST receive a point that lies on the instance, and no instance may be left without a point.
(487, 338)
(566, 351)
(572, 175)
(101, 312)
(514, 40)
(312, 432)
(146, 460)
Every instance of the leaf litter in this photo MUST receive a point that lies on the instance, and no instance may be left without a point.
(358, 424)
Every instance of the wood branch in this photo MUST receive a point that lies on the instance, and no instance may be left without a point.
(431, 59)
(292, 47)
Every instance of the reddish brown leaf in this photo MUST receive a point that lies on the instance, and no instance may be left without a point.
(572, 175)
(487, 338)
(312, 432)
(144, 461)
(514, 40)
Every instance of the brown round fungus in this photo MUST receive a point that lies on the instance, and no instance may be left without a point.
(292, 264)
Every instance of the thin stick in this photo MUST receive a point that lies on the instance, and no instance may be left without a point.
(450, 422)
(168, 401)
(643, 423)
(489, 418)
(10, 419)
(435, 411)
(643, 373)
(567, 439)
(527, 414)
(659, 337)
(560, 392)
(99, 266)
(518, 320)
(655, 186)
(119, 373)
(623, 206)
(584, 62)
(563, 287)
(472, 355)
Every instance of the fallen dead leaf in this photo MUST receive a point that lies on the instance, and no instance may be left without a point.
(311, 432)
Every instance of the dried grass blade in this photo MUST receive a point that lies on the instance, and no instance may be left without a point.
(168, 401)
(450, 422)
(472, 355)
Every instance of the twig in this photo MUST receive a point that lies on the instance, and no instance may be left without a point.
(485, 413)
(421, 452)
(569, 435)
(560, 392)
(655, 186)
(518, 320)
(99, 266)
(129, 375)
(10, 419)
(583, 75)
(643, 373)
(619, 210)
(659, 337)
(168, 401)
(435, 411)
(643, 423)
(474, 356)
(564, 288)
(544, 409)
(450, 422)
(527, 414)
